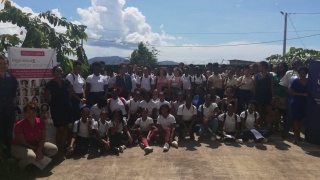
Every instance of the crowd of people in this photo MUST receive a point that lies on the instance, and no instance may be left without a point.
(113, 109)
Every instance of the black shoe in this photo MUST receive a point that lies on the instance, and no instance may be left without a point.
(116, 150)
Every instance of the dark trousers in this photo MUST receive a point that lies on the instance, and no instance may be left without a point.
(76, 112)
(247, 134)
(94, 97)
(181, 128)
(7, 119)
(117, 140)
(82, 145)
(97, 142)
(244, 96)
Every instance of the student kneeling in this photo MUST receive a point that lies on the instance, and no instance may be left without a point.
(229, 124)
(249, 121)
(81, 133)
(100, 139)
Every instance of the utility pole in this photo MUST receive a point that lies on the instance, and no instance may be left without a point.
(285, 34)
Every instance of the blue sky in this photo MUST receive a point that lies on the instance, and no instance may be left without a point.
(171, 24)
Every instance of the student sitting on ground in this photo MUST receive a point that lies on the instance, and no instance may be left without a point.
(100, 139)
(149, 104)
(229, 123)
(207, 115)
(143, 126)
(187, 114)
(29, 142)
(96, 109)
(165, 131)
(82, 129)
(117, 128)
(117, 102)
(249, 120)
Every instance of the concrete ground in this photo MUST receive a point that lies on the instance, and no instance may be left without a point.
(204, 159)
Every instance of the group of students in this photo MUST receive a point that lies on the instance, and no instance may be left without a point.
(139, 105)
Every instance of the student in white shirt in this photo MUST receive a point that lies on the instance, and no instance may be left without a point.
(249, 120)
(143, 126)
(162, 100)
(207, 114)
(187, 114)
(78, 94)
(133, 105)
(229, 122)
(96, 109)
(117, 102)
(146, 82)
(82, 130)
(96, 85)
(100, 139)
(199, 78)
(149, 104)
(176, 104)
(165, 132)
(286, 81)
(186, 79)
(119, 135)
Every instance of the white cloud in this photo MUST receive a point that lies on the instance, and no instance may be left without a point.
(108, 20)
(56, 12)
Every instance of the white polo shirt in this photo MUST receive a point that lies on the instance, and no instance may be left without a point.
(199, 80)
(133, 106)
(95, 111)
(121, 125)
(101, 127)
(249, 123)
(83, 129)
(144, 125)
(287, 79)
(186, 81)
(118, 104)
(159, 104)
(76, 81)
(187, 114)
(166, 122)
(208, 111)
(97, 82)
(150, 106)
(145, 82)
(230, 123)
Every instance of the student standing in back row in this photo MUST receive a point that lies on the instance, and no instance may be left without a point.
(146, 82)
(78, 95)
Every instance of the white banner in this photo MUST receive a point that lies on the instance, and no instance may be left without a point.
(32, 68)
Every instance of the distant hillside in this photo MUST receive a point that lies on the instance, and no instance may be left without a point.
(167, 63)
(109, 60)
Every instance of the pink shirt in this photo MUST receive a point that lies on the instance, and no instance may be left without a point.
(31, 134)
(161, 82)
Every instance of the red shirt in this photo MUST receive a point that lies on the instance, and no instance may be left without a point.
(32, 135)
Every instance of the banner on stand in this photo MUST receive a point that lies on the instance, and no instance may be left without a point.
(32, 68)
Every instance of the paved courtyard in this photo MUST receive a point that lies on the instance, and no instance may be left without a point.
(204, 159)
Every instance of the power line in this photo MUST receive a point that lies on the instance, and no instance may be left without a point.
(306, 13)
(226, 45)
(297, 32)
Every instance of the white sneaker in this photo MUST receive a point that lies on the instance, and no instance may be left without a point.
(123, 147)
(239, 141)
(148, 149)
(213, 137)
(174, 144)
(265, 140)
(166, 147)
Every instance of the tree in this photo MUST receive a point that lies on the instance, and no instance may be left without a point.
(144, 56)
(41, 34)
(295, 53)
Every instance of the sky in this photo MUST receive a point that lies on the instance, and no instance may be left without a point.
(187, 31)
